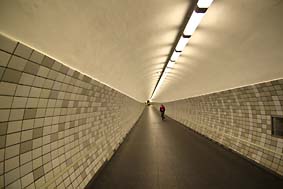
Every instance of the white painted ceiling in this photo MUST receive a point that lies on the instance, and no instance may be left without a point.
(125, 43)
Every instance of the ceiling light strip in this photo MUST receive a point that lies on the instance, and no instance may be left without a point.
(192, 24)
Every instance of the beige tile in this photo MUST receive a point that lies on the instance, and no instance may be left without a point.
(16, 114)
(23, 51)
(31, 68)
(28, 124)
(26, 168)
(36, 57)
(12, 151)
(13, 139)
(7, 88)
(37, 163)
(19, 102)
(12, 176)
(16, 184)
(27, 180)
(4, 58)
(17, 63)
(26, 135)
(2, 142)
(32, 102)
(6, 101)
(43, 71)
(37, 143)
(4, 115)
(3, 128)
(12, 76)
(26, 157)
(14, 126)
(35, 92)
(30, 113)
(2, 154)
(26, 146)
(1, 168)
(36, 153)
(26, 79)
(22, 90)
(7, 44)
(12, 163)
(39, 172)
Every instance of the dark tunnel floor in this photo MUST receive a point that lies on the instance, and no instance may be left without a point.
(164, 154)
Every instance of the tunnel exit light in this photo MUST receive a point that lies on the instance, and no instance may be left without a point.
(190, 27)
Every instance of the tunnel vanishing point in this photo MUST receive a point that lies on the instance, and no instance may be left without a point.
(81, 83)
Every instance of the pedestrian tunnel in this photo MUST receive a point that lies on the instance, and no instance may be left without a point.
(81, 84)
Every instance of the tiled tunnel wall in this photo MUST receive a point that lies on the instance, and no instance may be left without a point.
(239, 119)
(57, 126)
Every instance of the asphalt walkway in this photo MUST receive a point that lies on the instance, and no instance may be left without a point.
(164, 154)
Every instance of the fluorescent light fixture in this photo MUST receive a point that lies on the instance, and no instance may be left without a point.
(175, 56)
(167, 69)
(204, 3)
(183, 41)
(191, 26)
(170, 64)
(193, 23)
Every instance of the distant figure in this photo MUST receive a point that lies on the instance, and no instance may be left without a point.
(148, 102)
(162, 111)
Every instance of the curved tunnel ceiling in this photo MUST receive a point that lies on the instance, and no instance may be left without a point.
(125, 44)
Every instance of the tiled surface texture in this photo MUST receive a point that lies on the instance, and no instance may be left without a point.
(240, 119)
(57, 126)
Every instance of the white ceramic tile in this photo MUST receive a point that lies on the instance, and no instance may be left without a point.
(14, 126)
(12, 163)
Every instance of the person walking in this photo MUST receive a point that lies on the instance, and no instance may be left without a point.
(162, 111)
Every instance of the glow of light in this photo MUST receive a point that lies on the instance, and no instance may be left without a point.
(175, 56)
(170, 64)
(193, 23)
(204, 3)
(183, 41)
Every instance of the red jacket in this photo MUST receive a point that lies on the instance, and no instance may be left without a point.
(162, 109)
